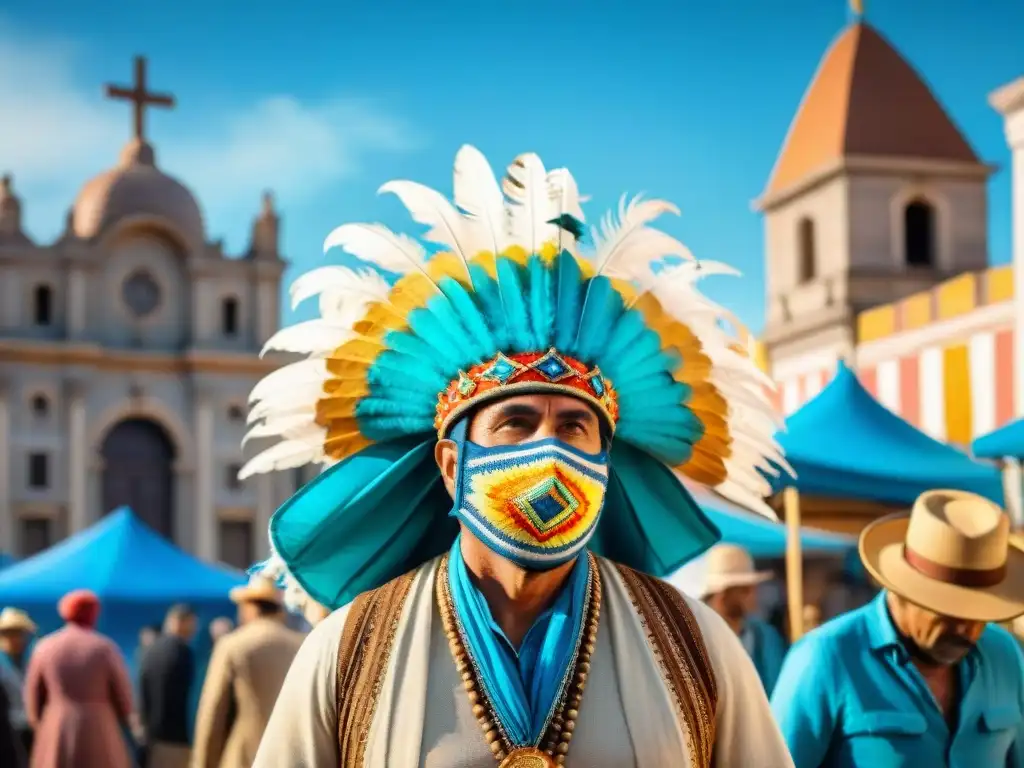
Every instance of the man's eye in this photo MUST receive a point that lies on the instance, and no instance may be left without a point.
(574, 428)
(514, 423)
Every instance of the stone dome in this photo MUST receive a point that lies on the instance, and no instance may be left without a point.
(137, 188)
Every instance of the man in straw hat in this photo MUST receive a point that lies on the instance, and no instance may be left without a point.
(921, 675)
(246, 671)
(502, 415)
(16, 632)
(730, 587)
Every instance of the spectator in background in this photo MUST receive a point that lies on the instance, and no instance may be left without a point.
(165, 681)
(219, 627)
(147, 635)
(12, 752)
(245, 675)
(78, 696)
(730, 588)
(16, 632)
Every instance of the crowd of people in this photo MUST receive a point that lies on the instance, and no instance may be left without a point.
(67, 699)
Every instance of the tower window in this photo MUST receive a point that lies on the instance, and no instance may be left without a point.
(807, 251)
(231, 480)
(38, 471)
(40, 406)
(919, 234)
(42, 306)
(229, 317)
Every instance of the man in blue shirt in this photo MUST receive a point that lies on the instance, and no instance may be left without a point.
(920, 676)
(730, 587)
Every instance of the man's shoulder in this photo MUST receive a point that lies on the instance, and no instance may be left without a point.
(1001, 646)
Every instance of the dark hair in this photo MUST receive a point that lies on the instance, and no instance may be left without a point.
(181, 611)
(266, 607)
(155, 628)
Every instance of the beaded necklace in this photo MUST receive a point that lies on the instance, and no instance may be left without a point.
(562, 719)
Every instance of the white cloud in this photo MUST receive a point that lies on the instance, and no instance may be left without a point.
(55, 134)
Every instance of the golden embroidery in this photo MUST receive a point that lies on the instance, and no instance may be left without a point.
(676, 642)
(363, 655)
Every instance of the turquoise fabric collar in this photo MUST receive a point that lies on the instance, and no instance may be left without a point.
(384, 511)
(523, 685)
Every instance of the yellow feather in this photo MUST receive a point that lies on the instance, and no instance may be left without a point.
(330, 408)
(342, 445)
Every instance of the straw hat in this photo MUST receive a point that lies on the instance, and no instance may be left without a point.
(12, 619)
(728, 565)
(259, 588)
(950, 554)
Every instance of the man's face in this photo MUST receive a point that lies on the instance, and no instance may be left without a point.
(14, 641)
(146, 636)
(523, 419)
(189, 625)
(939, 640)
(734, 604)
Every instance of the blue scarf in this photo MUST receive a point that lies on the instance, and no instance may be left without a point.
(522, 686)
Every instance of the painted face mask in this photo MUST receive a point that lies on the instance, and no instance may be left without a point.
(536, 504)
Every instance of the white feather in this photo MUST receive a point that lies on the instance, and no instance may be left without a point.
(312, 337)
(464, 237)
(378, 245)
(531, 206)
(293, 426)
(613, 241)
(285, 455)
(478, 195)
(303, 372)
(339, 283)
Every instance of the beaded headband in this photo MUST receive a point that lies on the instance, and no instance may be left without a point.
(506, 375)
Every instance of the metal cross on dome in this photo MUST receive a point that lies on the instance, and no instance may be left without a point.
(140, 97)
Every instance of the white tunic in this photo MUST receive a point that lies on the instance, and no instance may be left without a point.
(423, 717)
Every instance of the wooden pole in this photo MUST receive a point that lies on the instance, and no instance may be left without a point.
(794, 564)
(1012, 492)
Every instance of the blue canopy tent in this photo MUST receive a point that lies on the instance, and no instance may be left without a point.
(766, 539)
(853, 457)
(136, 573)
(1005, 442)
(844, 444)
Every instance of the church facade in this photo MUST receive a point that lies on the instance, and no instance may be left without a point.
(127, 351)
(875, 220)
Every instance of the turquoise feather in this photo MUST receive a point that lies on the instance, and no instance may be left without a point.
(541, 310)
(515, 306)
(567, 302)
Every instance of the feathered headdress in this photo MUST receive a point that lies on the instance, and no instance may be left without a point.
(510, 304)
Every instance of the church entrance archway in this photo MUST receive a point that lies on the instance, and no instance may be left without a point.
(138, 472)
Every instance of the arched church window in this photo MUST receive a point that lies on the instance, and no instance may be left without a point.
(919, 234)
(229, 317)
(40, 406)
(42, 305)
(807, 251)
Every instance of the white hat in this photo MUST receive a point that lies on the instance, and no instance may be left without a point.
(729, 565)
(950, 554)
(12, 619)
(259, 588)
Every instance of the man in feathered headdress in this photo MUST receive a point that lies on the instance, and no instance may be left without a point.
(558, 395)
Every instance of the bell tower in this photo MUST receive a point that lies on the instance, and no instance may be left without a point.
(875, 195)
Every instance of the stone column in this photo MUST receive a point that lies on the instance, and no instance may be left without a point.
(7, 528)
(77, 300)
(78, 452)
(205, 514)
(264, 511)
(1009, 102)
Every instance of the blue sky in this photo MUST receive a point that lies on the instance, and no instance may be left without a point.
(682, 100)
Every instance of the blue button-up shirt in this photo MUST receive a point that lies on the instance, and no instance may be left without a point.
(849, 695)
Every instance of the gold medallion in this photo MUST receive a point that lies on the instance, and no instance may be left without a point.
(528, 757)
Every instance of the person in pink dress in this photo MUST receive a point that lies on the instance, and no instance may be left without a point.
(78, 695)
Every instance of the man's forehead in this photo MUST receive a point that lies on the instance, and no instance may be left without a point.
(540, 403)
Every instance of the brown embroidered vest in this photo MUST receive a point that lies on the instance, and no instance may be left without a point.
(672, 633)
